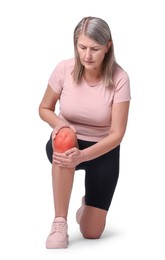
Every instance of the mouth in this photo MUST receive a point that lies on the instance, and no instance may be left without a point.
(88, 62)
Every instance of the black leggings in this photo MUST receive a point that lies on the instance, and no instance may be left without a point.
(101, 175)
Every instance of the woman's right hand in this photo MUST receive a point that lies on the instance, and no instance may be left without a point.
(59, 126)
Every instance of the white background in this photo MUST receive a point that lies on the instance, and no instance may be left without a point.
(35, 35)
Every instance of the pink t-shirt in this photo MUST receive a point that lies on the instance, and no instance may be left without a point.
(88, 108)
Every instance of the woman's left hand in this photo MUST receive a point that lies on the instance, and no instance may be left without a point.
(69, 159)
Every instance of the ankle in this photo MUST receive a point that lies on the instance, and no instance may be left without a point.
(60, 216)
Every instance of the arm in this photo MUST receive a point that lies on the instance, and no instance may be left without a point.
(116, 133)
(74, 156)
(47, 107)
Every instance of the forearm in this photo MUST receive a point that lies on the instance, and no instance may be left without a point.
(50, 117)
(105, 145)
(116, 133)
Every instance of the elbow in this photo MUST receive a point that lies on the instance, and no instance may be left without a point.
(117, 137)
(120, 136)
(118, 140)
(41, 111)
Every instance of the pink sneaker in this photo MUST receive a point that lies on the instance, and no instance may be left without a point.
(58, 237)
(80, 210)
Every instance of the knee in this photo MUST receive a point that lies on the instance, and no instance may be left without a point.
(65, 139)
(92, 222)
(91, 234)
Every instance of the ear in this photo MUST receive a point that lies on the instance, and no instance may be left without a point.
(108, 45)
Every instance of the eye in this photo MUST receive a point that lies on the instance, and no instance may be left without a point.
(94, 49)
(82, 47)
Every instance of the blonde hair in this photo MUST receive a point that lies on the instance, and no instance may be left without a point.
(98, 30)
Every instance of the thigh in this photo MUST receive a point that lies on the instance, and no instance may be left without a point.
(49, 149)
(101, 179)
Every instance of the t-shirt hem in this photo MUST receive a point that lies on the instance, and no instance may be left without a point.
(89, 138)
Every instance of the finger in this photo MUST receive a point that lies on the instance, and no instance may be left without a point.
(70, 151)
(57, 129)
(73, 128)
(53, 135)
(59, 155)
(60, 159)
(60, 162)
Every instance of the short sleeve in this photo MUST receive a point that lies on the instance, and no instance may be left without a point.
(57, 78)
(122, 88)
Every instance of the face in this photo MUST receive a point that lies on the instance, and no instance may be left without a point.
(90, 52)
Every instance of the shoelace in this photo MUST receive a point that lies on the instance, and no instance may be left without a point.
(58, 227)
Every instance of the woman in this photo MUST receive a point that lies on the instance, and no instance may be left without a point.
(94, 95)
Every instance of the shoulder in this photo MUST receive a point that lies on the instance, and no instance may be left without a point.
(119, 74)
(66, 64)
(121, 85)
(63, 68)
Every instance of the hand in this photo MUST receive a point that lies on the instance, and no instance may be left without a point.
(70, 159)
(59, 126)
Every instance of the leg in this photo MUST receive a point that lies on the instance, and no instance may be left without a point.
(63, 177)
(62, 181)
(92, 222)
(100, 183)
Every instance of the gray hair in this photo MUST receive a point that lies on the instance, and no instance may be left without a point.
(98, 30)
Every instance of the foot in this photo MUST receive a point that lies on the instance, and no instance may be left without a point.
(80, 210)
(58, 237)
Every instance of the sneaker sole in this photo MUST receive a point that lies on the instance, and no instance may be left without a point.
(56, 245)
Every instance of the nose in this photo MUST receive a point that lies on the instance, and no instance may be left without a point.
(88, 54)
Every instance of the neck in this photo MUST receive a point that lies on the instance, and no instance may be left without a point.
(92, 77)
